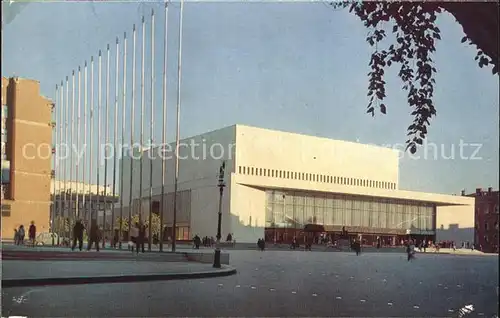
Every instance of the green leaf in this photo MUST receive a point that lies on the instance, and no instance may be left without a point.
(383, 109)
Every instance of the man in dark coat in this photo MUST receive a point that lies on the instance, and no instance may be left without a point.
(78, 235)
(93, 235)
(32, 233)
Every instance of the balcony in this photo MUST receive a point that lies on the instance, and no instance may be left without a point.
(52, 174)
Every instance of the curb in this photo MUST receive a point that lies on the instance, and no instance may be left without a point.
(52, 281)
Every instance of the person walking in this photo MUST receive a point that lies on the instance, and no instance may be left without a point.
(134, 236)
(78, 229)
(32, 233)
(141, 238)
(93, 235)
(21, 234)
(144, 236)
(410, 250)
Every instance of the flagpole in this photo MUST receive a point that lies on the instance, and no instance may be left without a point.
(91, 137)
(115, 140)
(132, 110)
(164, 124)
(106, 138)
(72, 145)
(124, 106)
(77, 165)
(61, 121)
(142, 116)
(54, 154)
(152, 127)
(67, 204)
(177, 141)
(85, 106)
(99, 109)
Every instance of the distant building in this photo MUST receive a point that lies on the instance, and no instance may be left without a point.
(486, 219)
(278, 182)
(93, 201)
(25, 188)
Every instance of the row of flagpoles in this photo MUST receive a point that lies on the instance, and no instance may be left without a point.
(68, 114)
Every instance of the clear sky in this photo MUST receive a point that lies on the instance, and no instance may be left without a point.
(298, 67)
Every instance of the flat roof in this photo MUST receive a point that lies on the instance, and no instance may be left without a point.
(298, 185)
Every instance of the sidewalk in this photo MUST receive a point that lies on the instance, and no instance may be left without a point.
(16, 273)
(56, 253)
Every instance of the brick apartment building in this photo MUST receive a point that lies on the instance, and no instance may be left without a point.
(486, 219)
(26, 177)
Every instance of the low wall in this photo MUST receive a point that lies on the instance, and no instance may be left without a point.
(206, 257)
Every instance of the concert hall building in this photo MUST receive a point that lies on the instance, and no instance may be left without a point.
(277, 182)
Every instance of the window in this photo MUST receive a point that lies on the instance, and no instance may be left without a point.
(486, 226)
(288, 174)
(239, 169)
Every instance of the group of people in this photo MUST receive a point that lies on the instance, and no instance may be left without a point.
(139, 235)
(94, 233)
(19, 234)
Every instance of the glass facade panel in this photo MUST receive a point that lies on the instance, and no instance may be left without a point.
(299, 215)
(309, 213)
(295, 209)
(319, 214)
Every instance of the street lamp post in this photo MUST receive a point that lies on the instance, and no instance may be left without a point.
(221, 186)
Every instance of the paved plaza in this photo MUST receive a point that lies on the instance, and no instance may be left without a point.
(288, 283)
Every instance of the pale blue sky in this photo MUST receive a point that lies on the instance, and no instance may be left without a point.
(298, 67)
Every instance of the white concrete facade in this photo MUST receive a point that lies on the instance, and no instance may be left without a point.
(258, 160)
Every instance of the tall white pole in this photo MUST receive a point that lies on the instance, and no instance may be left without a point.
(61, 170)
(124, 107)
(77, 148)
(106, 136)
(142, 115)
(85, 106)
(91, 136)
(115, 139)
(132, 124)
(177, 134)
(71, 164)
(152, 128)
(99, 110)
(55, 153)
(164, 124)
(67, 201)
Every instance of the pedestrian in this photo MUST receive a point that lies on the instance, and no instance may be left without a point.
(410, 250)
(16, 237)
(93, 235)
(78, 229)
(134, 235)
(21, 234)
(357, 247)
(197, 242)
(32, 233)
(141, 229)
(261, 244)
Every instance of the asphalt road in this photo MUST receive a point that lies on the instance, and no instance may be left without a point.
(288, 283)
